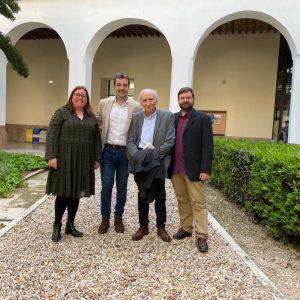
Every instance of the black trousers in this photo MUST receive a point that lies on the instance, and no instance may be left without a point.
(61, 203)
(158, 188)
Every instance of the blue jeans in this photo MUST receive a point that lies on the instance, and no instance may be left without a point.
(113, 162)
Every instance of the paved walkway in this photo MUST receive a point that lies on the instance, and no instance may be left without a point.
(23, 198)
(112, 266)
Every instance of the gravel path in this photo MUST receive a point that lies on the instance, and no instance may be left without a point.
(112, 266)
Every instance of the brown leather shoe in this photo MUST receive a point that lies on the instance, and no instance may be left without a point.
(202, 245)
(161, 231)
(143, 230)
(119, 226)
(103, 228)
(181, 234)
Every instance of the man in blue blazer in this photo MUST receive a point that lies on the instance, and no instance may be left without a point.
(151, 137)
(191, 166)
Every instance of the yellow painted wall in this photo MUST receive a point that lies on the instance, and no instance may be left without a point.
(237, 73)
(33, 100)
(147, 60)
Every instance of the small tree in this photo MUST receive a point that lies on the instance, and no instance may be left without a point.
(8, 8)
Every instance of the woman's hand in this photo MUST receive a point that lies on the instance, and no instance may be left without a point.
(52, 163)
(96, 165)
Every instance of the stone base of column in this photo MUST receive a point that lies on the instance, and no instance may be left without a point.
(3, 137)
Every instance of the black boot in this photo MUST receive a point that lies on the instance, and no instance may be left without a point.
(70, 229)
(56, 232)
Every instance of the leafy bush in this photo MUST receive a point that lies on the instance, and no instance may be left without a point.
(10, 178)
(11, 167)
(265, 177)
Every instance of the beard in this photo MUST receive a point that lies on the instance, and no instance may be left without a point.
(186, 106)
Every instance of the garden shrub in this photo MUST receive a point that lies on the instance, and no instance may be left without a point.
(10, 178)
(12, 165)
(265, 177)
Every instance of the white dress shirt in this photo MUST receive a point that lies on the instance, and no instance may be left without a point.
(117, 131)
(148, 130)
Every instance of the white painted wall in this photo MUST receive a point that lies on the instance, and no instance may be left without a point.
(83, 25)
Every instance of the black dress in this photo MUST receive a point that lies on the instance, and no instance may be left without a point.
(76, 145)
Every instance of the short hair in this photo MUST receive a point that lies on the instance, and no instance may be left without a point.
(121, 75)
(152, 91)
(186, 89)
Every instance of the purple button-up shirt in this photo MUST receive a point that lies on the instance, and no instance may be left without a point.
(179, 164)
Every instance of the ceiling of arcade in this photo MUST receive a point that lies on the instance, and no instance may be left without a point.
(239, 26)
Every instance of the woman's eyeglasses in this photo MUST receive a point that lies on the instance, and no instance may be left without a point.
(83, 96)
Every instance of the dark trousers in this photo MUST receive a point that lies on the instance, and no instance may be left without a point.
(61, 203)
(158, 188)
(114, 163)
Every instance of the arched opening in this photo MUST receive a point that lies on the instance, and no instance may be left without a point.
(32, 101)
(235, 77)
(139, 50)
(283, 92)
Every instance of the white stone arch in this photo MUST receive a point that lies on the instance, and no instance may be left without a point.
(284, 27)
(252, 15)
(105, 30)
(40, 98)
(19, 30)
(15, 31)
(100, 34)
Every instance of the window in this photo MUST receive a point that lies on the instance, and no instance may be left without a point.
(111, 91)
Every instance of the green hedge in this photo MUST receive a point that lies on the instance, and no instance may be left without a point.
(265, 177)
(12, 165)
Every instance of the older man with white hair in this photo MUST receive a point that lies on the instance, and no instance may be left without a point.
(150, 139)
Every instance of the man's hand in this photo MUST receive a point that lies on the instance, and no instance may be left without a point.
(52, 163)
(203, 176)
(96, 165)
(148, 146)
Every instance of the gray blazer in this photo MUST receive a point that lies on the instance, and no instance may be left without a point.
(103, 115)
(163, 136)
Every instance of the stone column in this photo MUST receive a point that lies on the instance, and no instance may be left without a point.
(294, 118)
(80, 73)
(181, 75)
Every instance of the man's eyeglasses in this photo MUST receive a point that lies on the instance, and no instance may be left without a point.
(83, 96)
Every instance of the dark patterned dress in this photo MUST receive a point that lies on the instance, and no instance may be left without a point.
(76, 145)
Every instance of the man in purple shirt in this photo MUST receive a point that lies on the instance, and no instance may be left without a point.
(191, 166)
